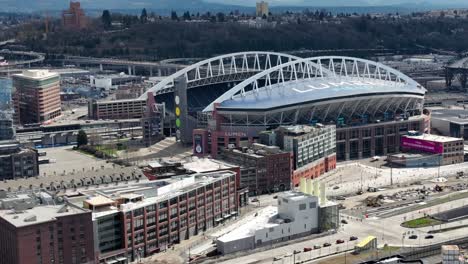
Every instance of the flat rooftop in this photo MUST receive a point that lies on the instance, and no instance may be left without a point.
(457, 116)
(39, 214)
(154, 191)
(434, 138)
(252, 223)
(206, 165)
(37, 74)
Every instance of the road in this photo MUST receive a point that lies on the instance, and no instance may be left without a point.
(388, 231)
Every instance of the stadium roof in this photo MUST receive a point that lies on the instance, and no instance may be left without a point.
(317, 89)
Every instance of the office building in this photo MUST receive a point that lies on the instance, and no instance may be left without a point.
(48, 234)
(16, 161)
(263, 169)
(119, 109)
(74, 17)
(262, 9)
(36, 96)
(313, 148)
(7, 131)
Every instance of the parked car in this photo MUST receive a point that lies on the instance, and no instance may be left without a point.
(255, 200)
(340, 241)
(429, 237)
(340, 198)
(336, 187)
(326, 244)
(344, 221)
(413, 237)
(317, 247)
(352, 238)
(307, 249)
(275, 197)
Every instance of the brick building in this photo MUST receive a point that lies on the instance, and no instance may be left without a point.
(116, 223)
(74, 17)
(16, 161)
(150, 216)
(36, 96)
(118, 109)
(450, 150)
(313, 148)
(263, 169)
(58, 234)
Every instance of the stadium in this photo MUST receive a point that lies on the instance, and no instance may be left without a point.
(371, 104)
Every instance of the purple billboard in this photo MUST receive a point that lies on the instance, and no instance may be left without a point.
(422, 145)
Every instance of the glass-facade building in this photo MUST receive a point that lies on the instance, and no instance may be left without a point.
(6, 110)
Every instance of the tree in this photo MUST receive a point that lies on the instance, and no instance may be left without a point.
(106, 19)
(144, 16)
(82, 138)
(174, 15)
(220, 17)
(186, 16)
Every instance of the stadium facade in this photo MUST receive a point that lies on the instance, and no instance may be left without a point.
(372, 105)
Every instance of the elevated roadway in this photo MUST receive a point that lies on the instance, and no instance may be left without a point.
(30, 57)
(161, 68)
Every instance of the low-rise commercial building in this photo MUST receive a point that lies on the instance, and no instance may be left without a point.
(450, 150)
(296, 215)
(263, 169)
(16, 161)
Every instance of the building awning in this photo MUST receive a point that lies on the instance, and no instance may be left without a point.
(121, 258)
(218, 219)
(111, 261)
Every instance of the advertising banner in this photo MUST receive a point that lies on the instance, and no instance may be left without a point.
(422, 145)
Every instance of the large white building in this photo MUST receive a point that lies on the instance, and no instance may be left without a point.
(112, 81)
(296, 215)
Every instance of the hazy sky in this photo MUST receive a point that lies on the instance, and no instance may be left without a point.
(339, 2)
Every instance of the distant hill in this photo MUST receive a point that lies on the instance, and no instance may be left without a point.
(165, 6)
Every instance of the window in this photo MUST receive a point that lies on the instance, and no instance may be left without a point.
(151, 208)
(138, 224)
(302, 207)
(312, 205)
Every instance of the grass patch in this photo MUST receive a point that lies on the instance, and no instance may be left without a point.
(108, 150)
(420, 222)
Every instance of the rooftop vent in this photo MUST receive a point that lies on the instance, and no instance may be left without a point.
(30, 218)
